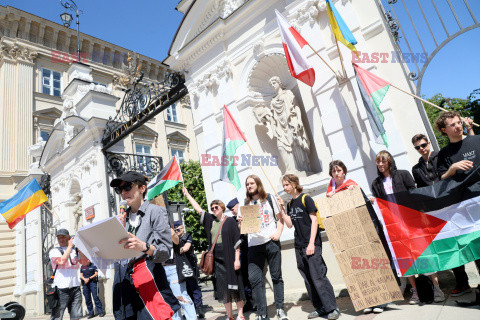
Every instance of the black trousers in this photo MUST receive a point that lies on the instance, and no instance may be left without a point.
(461, 276)
(314, 272)
(257, 255)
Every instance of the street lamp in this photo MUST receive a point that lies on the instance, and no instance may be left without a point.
(67, 19)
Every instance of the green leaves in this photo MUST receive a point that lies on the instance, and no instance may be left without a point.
(469, 107)
(193, 180)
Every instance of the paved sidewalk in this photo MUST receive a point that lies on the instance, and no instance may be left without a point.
(447, 310)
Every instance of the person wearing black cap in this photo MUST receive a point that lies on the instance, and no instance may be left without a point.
(185, 246)
(233, 207)
(65, 265)
(141, 289)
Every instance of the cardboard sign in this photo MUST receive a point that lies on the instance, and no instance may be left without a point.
(90, 213)
(360, 254)
(251, 219)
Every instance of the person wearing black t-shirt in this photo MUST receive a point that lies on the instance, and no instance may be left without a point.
(301, 213)
(456, 161)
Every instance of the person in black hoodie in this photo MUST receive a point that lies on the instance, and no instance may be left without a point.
(390, 180)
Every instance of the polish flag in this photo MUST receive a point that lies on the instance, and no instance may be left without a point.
(293, 43)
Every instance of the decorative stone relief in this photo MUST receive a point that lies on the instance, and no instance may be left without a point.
(308, 12)
(210, 80)
(227, 7)
(283, 120)
(269, 65)
(17, 52)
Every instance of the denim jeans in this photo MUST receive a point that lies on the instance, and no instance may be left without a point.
(89, 290)
(271, 252)
(70, 299)
(179, 289)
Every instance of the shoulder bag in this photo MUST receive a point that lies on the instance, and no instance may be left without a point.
(206, 263)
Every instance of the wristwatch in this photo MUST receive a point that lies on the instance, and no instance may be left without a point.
(147, 246)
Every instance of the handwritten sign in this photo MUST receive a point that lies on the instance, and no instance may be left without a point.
(251, 219)
(359, 252)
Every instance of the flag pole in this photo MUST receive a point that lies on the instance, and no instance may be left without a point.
(51, 212)
(341, 58)
(322, 59)
(263, 170)
(426, 101)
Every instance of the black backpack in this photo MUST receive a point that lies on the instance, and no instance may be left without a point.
(424, 288)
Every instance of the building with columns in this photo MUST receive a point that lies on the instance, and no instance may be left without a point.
(231, 50)
(39, 90)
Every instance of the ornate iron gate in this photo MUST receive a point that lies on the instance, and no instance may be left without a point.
(422, 28)
(48, 236)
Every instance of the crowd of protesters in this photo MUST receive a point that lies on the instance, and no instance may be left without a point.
(163, 282)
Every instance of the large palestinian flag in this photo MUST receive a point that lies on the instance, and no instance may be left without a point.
(434, 228)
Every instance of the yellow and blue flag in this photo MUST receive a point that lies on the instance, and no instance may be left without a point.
(339, 28)
(27, 199)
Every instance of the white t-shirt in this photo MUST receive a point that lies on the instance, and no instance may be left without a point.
(268, 224)
(387, 185)
(67, 275)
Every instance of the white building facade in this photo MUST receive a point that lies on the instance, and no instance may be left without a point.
(53, 118)
(229, 50)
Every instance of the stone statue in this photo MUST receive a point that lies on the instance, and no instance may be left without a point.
(283, 120)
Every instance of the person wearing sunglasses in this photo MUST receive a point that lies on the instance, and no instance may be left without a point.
(226, 269)
(140, 287)
(425, 171)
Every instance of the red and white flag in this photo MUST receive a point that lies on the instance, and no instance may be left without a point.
(293, 44)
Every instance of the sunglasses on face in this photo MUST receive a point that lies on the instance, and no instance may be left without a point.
(214, 208)
(127, 187)
(423, 145)
(178, 229)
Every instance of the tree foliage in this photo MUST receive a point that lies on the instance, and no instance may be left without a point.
(469, 107)
(193, 179)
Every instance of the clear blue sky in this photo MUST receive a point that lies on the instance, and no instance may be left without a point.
(148, 27)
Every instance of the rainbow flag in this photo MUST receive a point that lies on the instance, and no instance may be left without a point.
(339, 28)
(233, 138)
(433, 228)
(27, 199)
(166, 179)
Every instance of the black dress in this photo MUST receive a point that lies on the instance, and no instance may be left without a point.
(229, 284)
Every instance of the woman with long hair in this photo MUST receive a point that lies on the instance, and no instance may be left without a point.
(229, 285)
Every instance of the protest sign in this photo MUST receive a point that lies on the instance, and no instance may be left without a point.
(360, 254)
(251, 219)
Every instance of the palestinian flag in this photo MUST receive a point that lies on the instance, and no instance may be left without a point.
(434, 228)
(373, 89)
(166, 179)
(233, 138)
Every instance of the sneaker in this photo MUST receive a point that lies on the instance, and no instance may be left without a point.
(367, 310)
(414, 299)
(281, 314)
(317, 313)
(335, 314)
(378, 309)
(200, 312)
(259, 317)
(438, 295)
(90, 316)
(102, 314)
(460, 291)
